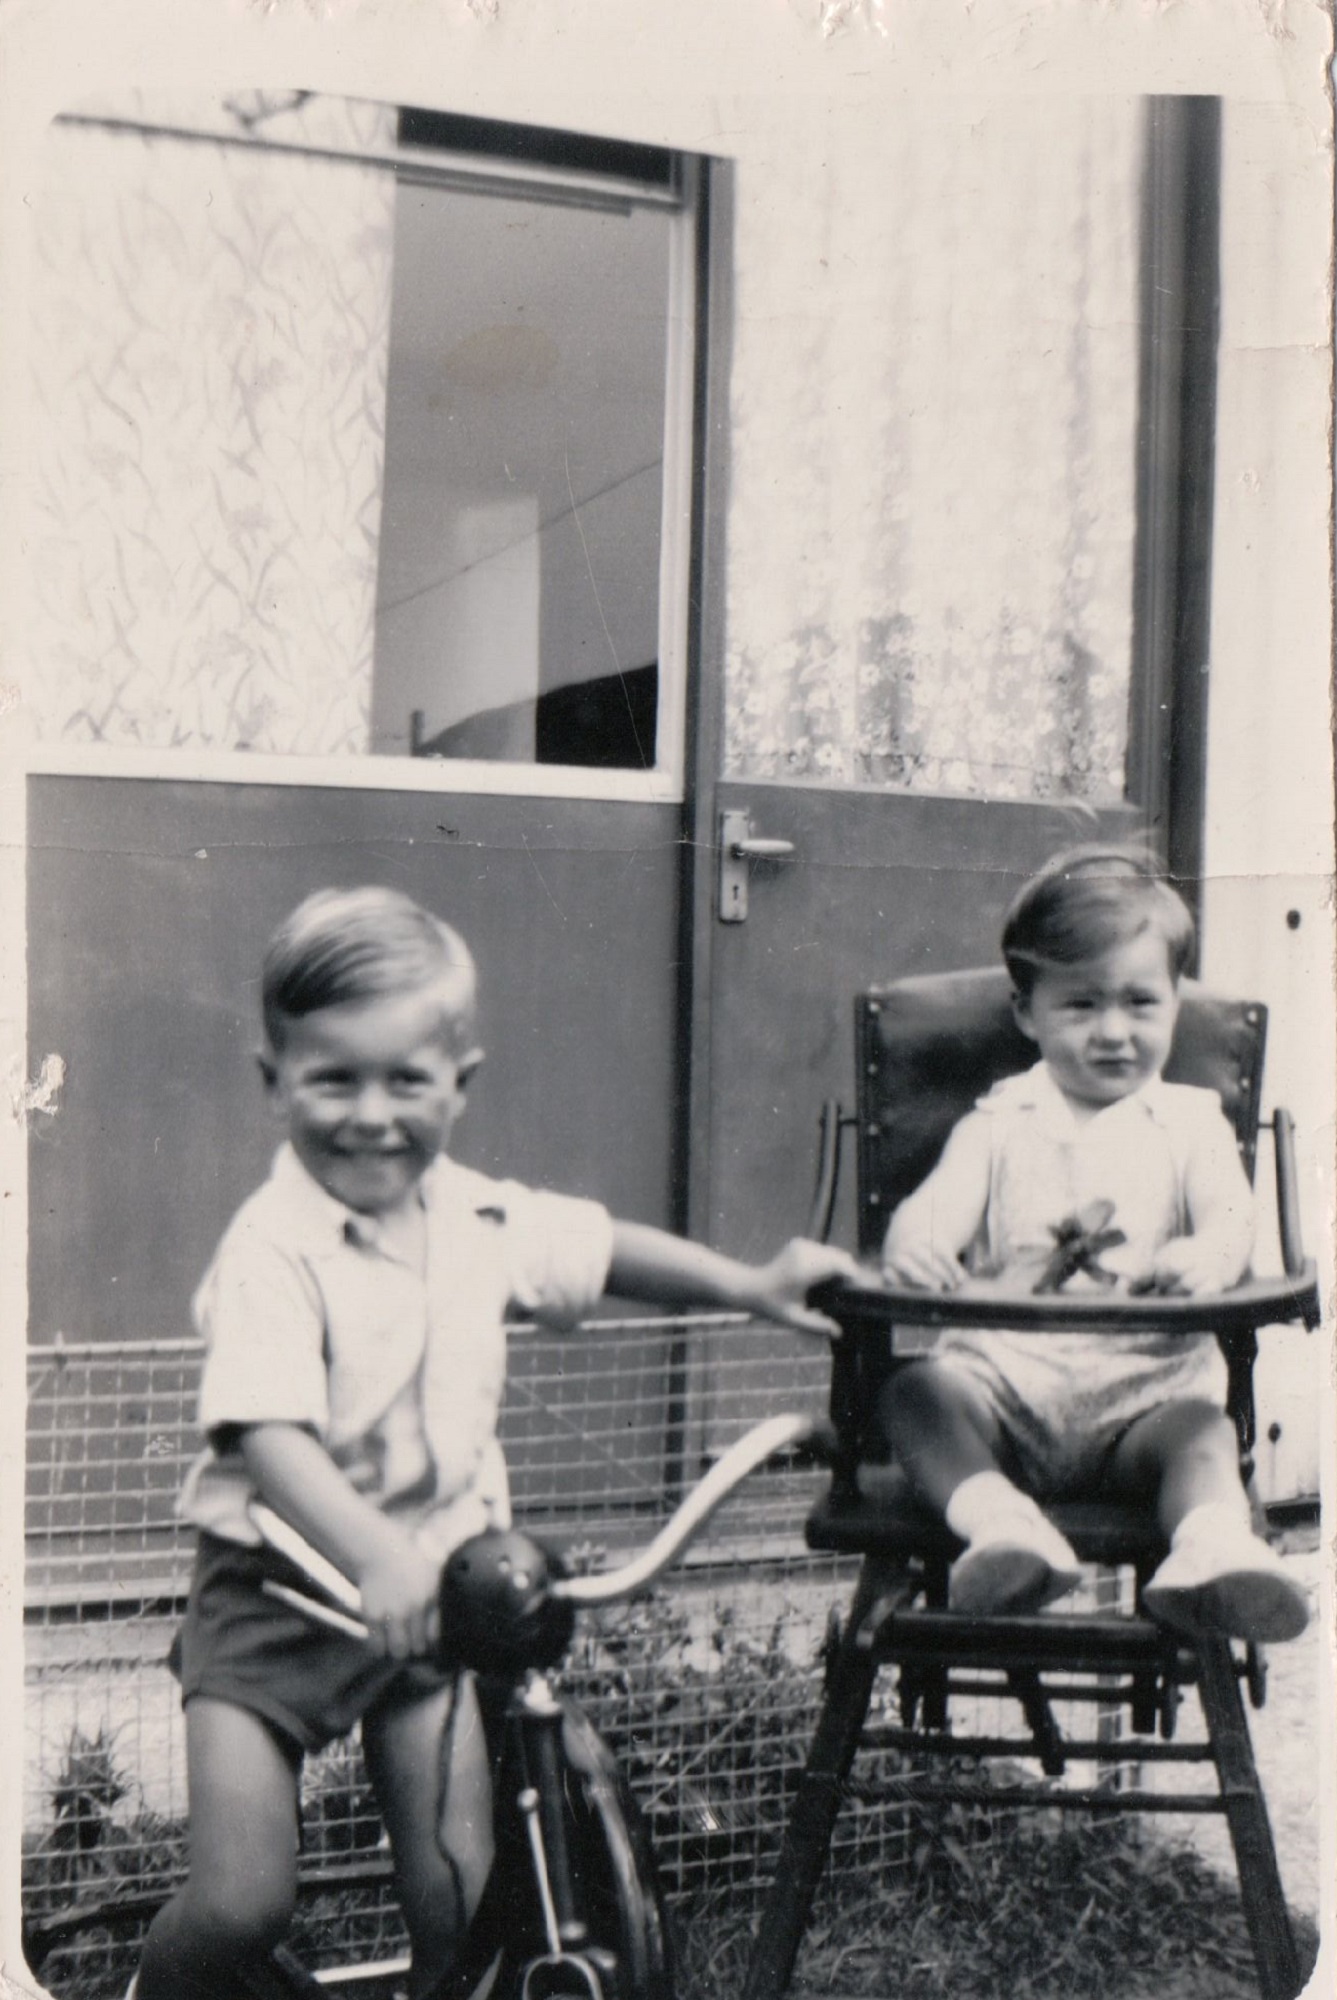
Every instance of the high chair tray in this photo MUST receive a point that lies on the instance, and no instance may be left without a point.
(987, 1303)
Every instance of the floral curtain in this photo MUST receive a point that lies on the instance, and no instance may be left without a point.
(211, 322)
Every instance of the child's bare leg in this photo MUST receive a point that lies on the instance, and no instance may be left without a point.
(438, 1892)
(1219, 1576)
(237, 1901)
(941, 1429)
(1181, 1456)
(947, 1439)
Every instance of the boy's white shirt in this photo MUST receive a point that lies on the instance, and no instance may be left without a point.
(1103, 1156)
(384, 1339)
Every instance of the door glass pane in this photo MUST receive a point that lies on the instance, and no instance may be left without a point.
(945, 601)
(517, 611)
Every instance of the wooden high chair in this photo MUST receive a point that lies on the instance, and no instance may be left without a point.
(926, 1049)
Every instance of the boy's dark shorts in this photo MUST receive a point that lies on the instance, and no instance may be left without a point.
(239, 1646)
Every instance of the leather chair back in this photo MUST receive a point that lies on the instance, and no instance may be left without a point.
(927, 1048)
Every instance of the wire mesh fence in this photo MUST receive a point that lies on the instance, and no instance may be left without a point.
(707, 1691)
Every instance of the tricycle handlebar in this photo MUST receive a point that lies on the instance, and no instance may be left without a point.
(729, 1471)
(474, 1580)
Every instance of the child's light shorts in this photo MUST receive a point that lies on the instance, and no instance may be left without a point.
(254, 1652)
(1063, 1401)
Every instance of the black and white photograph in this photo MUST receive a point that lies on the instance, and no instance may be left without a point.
(670, 1023)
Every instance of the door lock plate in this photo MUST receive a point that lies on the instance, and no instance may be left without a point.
(734, 829)
(739, 847)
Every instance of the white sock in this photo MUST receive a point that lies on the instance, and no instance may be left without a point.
(1214, 1518)
(982, 1499)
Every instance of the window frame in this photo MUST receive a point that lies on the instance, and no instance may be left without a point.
(488, 158)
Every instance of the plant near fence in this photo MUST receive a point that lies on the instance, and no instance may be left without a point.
(93, 1870)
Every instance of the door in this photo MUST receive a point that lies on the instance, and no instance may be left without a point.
(977, 632)
(406, 597)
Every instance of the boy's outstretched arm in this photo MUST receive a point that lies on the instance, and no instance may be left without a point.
(296, 1476)
(660, 1269)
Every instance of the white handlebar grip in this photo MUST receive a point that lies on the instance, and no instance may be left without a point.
(279, 1535)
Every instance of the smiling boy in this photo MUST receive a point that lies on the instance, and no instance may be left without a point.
(355, 1362)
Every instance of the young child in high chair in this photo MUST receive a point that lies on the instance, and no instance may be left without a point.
(353, 1318)
(994, 1422)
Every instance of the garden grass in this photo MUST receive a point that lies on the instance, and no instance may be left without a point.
(1091, 1910)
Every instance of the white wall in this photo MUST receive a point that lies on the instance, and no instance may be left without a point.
(1269, 840)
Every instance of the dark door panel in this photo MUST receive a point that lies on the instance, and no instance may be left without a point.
(150, 905)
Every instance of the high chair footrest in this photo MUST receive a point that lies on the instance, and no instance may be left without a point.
(1047, 1641)
(886, 1520)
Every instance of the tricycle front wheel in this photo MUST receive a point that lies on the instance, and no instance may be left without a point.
(625, 1954)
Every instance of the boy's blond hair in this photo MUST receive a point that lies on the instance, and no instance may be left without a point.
(340, 946)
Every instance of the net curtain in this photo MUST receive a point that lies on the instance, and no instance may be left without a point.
(210, 338)
(932, 474)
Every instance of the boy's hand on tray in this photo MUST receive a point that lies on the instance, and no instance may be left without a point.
(781, 1287)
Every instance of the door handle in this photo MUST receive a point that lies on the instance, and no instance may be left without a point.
(755, 848)
(739, 846)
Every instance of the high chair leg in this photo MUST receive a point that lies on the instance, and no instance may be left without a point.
(1261, 1892)
(807, 1842)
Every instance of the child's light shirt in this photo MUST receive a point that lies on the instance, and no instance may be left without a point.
(385, 1337)
(1045, 1165)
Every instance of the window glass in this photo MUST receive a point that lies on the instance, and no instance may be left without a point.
(350, 436)
(517, 611)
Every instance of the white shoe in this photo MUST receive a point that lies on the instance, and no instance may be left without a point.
(132, 1990)
(1230, 1582)
(1019, 1563)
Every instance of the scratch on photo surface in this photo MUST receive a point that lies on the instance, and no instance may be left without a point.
(598, 604)
(41, 1093)
(542, 878)
(835, 16)
(1273, 16)
(315, 10)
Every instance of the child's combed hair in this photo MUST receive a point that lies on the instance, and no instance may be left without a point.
(1086, 901)
(346, 945)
